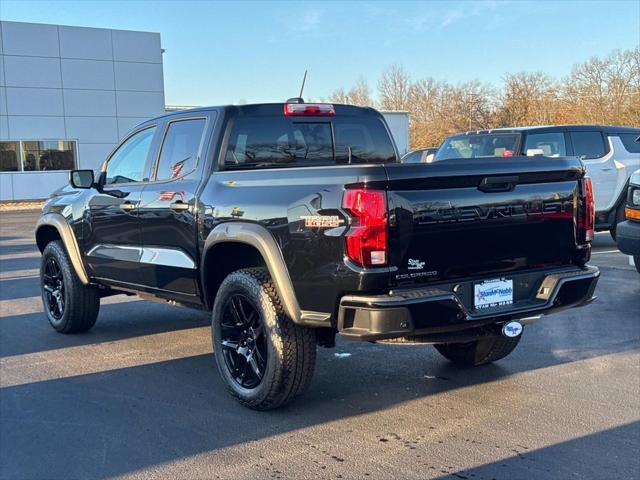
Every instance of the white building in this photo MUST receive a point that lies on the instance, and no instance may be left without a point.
(67, 95)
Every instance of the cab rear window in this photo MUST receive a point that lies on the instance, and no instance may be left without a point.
(267, 142)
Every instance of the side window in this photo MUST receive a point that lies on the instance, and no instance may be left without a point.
(631, 142)
(551, 144)
(127, 164)
(367, 138)
(588, 145)
(179, 151)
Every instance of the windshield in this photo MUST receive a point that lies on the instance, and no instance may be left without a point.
(478, 146)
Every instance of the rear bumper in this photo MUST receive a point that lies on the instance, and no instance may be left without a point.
(441, 312)
(628, 237)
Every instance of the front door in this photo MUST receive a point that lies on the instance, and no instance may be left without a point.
(113, 241)
(168, 209)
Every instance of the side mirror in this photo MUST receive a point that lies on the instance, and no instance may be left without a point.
(81, 178)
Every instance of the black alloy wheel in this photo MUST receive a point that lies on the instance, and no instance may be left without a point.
(53, 286)
(243, 341)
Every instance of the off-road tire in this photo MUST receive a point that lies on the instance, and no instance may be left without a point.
(291, 348)
(81, 302)
(478, 352)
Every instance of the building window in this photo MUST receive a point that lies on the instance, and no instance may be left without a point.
(37, 155)
(9, 153)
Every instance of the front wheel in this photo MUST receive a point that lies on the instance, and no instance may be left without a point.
(70, 306)
(478, 352)
(265, 359)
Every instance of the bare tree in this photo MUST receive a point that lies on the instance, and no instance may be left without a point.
(425, 103)
(600, 90)
(360, 94)
(528, 99)
(338, 96)
(605, 90)
(393, 89)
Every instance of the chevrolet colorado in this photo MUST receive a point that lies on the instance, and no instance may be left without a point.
(295, 222)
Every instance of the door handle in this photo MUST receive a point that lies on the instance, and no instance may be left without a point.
(179, 206)
(498, 184)
(127, 206)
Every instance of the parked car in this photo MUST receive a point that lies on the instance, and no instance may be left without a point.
(628, 237)
(294, 222)
(610, 154)
(423, 155)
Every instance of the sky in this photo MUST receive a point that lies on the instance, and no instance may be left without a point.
(230, 52)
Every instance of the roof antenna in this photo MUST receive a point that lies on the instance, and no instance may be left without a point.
(299, 98)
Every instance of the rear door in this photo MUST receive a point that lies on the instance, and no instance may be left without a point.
(594, 150)
(168, 206)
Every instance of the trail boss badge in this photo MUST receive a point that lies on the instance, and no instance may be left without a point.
(326, 221)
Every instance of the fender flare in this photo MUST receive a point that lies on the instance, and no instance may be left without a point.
(57, 221)
(261, 239)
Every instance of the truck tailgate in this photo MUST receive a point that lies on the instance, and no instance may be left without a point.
(481, 218)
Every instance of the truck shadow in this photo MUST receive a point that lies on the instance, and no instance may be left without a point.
(117, 321)
(22, 262)
(129, 419)
(571, 459)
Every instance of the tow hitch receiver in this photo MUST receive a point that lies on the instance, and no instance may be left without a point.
(512, 329)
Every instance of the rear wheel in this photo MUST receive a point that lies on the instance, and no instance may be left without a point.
(263, 357)
(478, 352)
(70, 306)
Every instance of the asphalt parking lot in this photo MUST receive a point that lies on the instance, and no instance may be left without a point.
(139, 396)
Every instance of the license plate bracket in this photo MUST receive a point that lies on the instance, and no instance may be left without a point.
(497, 292)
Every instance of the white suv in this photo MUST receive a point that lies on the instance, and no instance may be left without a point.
(611, 154)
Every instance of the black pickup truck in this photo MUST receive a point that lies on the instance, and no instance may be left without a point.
(294, 222)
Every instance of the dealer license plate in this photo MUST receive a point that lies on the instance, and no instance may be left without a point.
(493, 293)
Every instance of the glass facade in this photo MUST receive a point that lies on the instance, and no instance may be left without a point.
(37, 155)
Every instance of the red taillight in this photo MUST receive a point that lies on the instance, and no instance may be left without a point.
(367, 237)
(309, 110)
(586, 223)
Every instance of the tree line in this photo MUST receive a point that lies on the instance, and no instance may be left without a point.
(598, 91)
